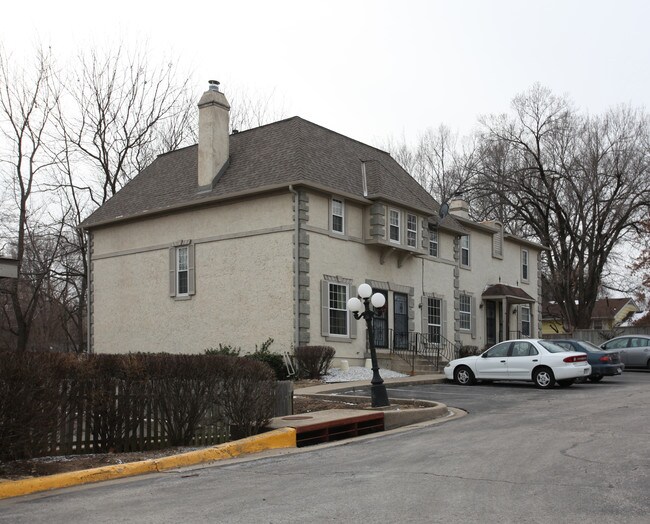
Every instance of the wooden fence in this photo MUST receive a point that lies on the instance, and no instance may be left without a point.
(139, 426)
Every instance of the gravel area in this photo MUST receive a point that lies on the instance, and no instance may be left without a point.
(357, 373)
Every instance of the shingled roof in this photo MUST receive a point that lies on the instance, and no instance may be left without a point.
(293, 151)
(604, 308)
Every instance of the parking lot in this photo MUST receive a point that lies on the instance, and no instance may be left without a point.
(521, 455)
(499, 396)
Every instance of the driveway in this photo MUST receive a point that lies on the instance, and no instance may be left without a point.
(521, 455)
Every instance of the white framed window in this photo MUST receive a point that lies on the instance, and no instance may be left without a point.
(434, 320)
(181, 270)
(524, 265)
(338, 310)
(433, 242)
(393, 225)
(464, 251)
(525, 321)
(338, 215)
(411, 230)
(465, 310)
(497, 242)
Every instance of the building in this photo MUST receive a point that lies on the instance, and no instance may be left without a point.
(268, 232)
(607, 314)
(8, 268)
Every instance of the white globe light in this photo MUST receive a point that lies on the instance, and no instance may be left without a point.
(364, 291)
(378, 300)
(354, 304)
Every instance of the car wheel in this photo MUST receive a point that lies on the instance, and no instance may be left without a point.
(543, 378)
(464, 376)
(596, 378)
(566, 383)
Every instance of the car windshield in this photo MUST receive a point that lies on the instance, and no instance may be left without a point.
(552, 348)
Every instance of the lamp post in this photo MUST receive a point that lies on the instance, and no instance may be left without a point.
(378, 394)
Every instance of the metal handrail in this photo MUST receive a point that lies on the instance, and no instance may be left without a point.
(435, 349)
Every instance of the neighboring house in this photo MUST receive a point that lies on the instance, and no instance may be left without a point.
(268, 233)
(8, 268)
(608, 313)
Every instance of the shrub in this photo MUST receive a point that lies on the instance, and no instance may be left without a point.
(273, 360)
(313, 361)
(467, 351)
(33, 401)
(116, 395)
(227, 350)
(247, 396)
(184, 387)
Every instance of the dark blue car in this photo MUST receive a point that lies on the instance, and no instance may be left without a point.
(603, 363)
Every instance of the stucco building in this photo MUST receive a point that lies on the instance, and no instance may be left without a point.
(268, 232)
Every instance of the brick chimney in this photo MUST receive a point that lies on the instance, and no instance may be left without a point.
(214, 140)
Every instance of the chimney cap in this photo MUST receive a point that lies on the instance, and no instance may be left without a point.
(213, 85)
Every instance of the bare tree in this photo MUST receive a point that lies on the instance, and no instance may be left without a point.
(120, 106)
(442, 162)
(26, 104)
(580, 184)
(249, 110)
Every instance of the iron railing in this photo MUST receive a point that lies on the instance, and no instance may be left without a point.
(435, 349)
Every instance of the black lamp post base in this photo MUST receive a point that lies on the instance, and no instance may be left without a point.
(378, 396)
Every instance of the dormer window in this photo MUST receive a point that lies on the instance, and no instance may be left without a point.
(394, 226)
(338, 213)
(411, 230)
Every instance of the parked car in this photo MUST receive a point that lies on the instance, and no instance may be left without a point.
(634, 350)
(603, 363)
(526, 359)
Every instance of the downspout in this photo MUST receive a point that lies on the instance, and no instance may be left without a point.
(296, 266)
(89, 348)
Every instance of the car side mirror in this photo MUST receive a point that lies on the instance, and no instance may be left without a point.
(484, 355)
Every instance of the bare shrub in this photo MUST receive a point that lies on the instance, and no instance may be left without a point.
(184, 387)
(313, 361)
(32, 402)
(248, 396)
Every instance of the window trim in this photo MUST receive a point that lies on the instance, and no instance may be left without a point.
(397, 226)
(344, 309)
(431, 309)
(412, 233)
(528, 321)
(174, 271)
(434, 233)
(333, 214)
(525, 265)
(465, 313)
(325, 311)
(180, 271)
(465, 249)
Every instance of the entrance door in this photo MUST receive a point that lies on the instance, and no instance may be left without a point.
(490, 322)
(400, 320)
(380, 323)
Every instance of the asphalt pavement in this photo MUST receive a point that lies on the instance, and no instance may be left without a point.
(521, 455)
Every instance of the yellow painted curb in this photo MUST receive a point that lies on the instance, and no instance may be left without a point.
(276, 439)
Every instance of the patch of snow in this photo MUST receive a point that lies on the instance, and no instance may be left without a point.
(355, 373)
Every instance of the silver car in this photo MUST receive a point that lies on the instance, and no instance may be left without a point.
(634, 350)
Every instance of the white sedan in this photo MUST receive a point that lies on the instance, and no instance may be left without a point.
(527, 359)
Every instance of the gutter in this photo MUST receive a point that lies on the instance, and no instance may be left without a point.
(296, 267)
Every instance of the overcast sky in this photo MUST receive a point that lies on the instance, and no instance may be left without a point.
(371, 69)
